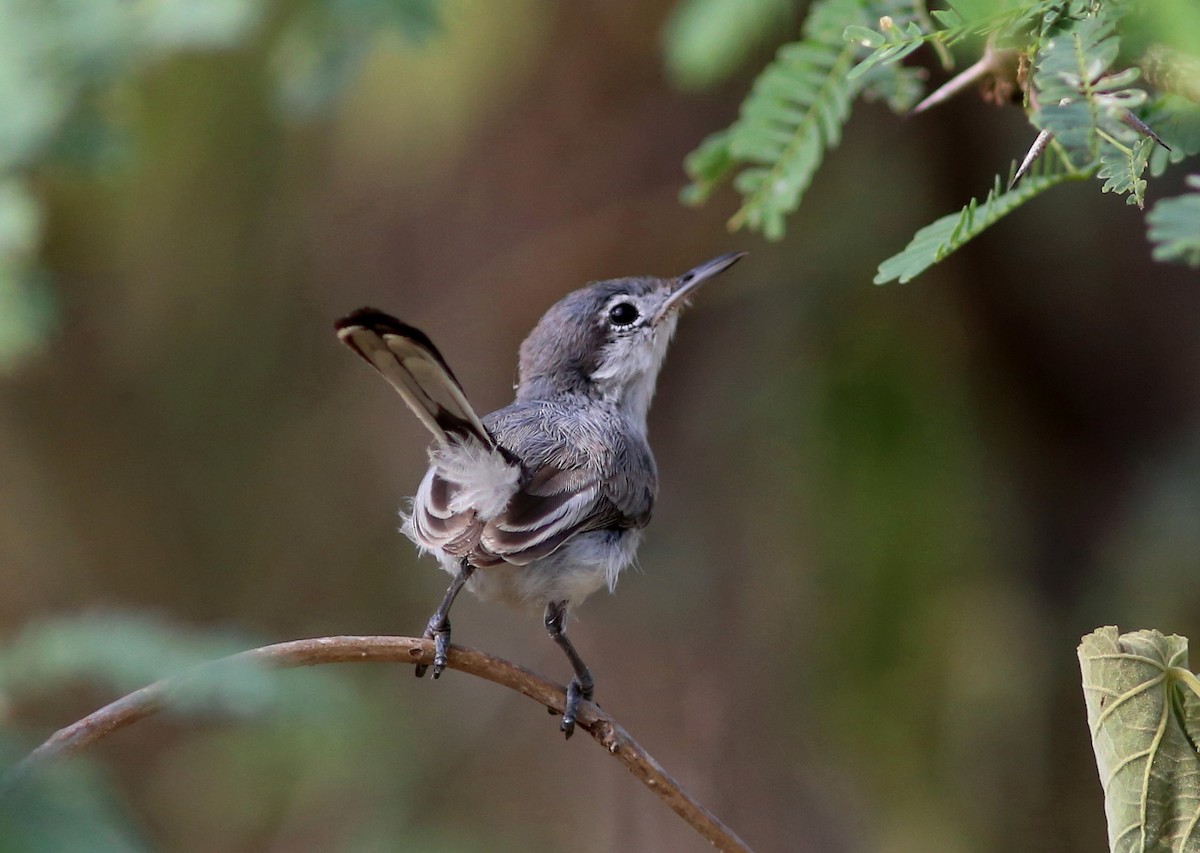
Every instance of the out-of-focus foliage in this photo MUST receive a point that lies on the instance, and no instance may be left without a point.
(1091, 114)
(121, 652)
(24, 302)
(62, 64)
(70, 809)
(704, 41)
(118, 652)
(1175, 226)
(1143, 707)
(1177, 121)
(322, 48)
(68, 806)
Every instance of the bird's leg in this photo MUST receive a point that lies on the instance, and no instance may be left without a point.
(438, 628)
(581, 685)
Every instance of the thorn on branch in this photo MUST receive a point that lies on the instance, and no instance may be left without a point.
(1130, 120)
(996, 72)
(1035, 151)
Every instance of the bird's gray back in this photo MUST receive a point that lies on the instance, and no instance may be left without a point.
(586, 441)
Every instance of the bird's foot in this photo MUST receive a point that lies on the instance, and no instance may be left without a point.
(576, 690)
(437, 630)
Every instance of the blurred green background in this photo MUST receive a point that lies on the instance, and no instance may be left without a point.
(886, 517)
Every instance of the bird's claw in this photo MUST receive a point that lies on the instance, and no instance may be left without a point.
(575, 692)
(440, 634)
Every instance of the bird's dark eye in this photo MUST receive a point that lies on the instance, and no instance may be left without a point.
(623, 314)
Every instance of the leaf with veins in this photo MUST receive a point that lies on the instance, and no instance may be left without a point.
(1143, 707)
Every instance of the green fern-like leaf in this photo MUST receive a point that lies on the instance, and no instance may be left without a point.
(1175, 226)
(891, 42)
(1121, 169)
(938, 239)
(707, 166)
(794, 113)
(1079, 101)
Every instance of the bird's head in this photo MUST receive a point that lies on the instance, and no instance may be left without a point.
(608, 340)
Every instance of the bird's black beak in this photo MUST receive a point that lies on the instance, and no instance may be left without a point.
(683, 286)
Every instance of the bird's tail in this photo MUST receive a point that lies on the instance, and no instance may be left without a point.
(411, 364)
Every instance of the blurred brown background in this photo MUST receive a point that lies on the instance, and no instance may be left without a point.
(887, 514)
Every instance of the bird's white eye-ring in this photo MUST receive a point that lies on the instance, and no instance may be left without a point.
(623, 314)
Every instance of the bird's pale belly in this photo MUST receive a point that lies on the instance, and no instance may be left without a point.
(579, 568)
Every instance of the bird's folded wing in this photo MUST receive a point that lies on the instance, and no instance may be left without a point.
(436, 526)
(411, 364)
(553, 506)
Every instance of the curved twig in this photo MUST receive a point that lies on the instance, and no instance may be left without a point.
(603, 728)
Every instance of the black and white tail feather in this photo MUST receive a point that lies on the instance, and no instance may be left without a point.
(411, 364)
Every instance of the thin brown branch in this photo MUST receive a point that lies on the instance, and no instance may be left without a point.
(603, 728)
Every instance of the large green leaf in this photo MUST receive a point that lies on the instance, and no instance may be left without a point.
(1143, 707)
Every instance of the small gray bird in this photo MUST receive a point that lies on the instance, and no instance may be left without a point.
(541, 502)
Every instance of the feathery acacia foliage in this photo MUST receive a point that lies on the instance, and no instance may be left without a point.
(60, 63)
(1175, 226)
(938, 239)
(794, 112)
(1095, 114)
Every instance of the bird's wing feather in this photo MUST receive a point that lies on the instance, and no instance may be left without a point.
(562, 491)
(411, 364)
(435, 525)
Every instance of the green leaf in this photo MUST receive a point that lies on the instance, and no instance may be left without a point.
(707, 166)
(890, 46)
(704, 41)
(948, 18)
(1002, 22)
(939, 239)
(793, 114)
(1080, 103)
(864, 36)
(1143, 709)
(1121, 170)
(1066, 68)
(1175, 226)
